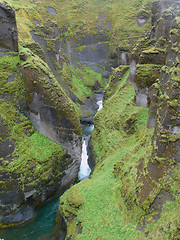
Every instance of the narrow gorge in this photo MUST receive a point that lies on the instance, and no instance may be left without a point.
(57, 60)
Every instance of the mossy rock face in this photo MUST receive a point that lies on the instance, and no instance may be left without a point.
(143, 15)
(72, 27)
(168, 122)
(49, 29)
(152, 47)
(163, 99)
(153, 103)
(49, 91)
(51, 110)
(165, 24)
(152, 56)
(36, 49)
(141, 45)
(136, 173)
(8, 28)
(116, 76)
(145, 76)
(33, 168)
(70, 203)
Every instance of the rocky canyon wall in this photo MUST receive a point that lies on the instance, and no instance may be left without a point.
(34, 167)
(136, 142)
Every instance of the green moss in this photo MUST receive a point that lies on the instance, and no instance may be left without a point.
(36, 49)
(109, 205)
(174, 103)
(35, 160)
(144, 12)
(125, 27)
(19, 3)
(70, 202)
(153, 50)
(74, 20)
(74, 198)
(9, 62)
(168, 14)
(143, 44)
(147, 74)
(35, 155)
(167, 226)
(84, 80)
(6, 4)
(117, 75)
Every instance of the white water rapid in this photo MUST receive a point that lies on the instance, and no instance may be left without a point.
(85, 170)
(100, 104)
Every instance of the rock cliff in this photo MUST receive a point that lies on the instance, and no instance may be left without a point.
(40, 143)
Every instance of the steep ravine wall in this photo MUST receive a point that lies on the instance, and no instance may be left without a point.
(40, 144)
(46, 83)
(72, 34)
(133, 192)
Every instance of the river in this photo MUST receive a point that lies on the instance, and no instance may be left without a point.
(44, 226)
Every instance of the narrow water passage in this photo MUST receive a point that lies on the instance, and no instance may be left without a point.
(85, 170)
(100, 104)
(43, 227)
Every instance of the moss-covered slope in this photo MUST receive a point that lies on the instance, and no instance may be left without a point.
(120, 138)
(112, 204)
(133, 192)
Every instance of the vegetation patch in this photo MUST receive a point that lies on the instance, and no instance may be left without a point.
(83, 80)
(34, 154)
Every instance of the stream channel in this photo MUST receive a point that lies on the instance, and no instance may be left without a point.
(44, 226)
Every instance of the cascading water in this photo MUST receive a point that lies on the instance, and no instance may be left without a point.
(85, 170)
(100, 104)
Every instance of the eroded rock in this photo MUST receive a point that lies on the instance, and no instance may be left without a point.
(8, 28)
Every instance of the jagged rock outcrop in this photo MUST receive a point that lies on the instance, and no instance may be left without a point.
(145, 76)
(8, 28)
(161, 91)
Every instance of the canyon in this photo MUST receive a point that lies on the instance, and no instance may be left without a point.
(55, 59)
